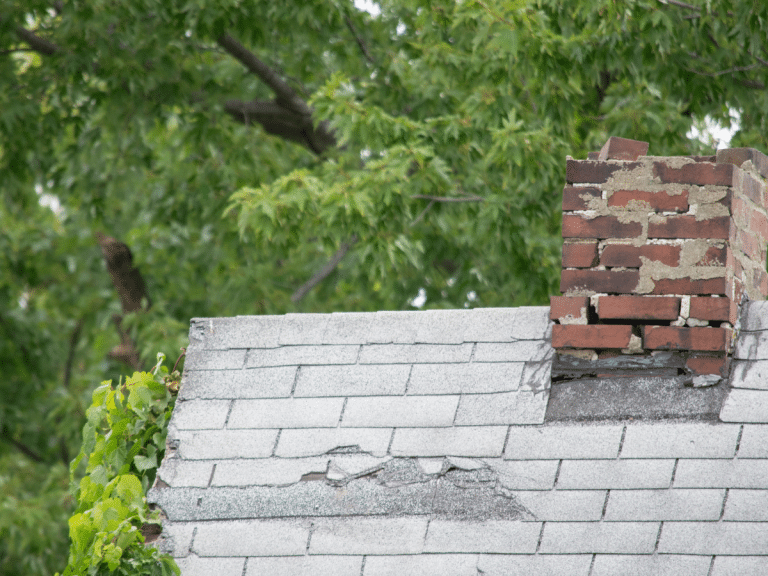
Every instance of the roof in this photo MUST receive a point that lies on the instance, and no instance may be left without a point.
(409, 443)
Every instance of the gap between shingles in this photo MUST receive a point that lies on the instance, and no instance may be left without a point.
(541, 537)
(295, 381)
(277, 439)
(711, 566)
(245, 567)
(408, 380)
(725, 499)
(341, 415)
(738, 440)
(557, 473)
(658, 538)
(592, 565)
(362, 566)
(674, 471)
(213, 471)
(229, 412)
(621, 442)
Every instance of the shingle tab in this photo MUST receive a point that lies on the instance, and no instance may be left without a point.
(196, 566)
(267, 471)
(563, 442)
(252, 538)
(302, 355)
(490, 536)
(302, 329)
(754, 441)
(303, 566)
(534, 565)
(472, 441)
(745, 406)
(286, 413)
(729, 538)
(722, 474)
(239, 332)
(520, 351)
(253, 383)
(177, 472)
(490, 325)
(442, 326)
(200, 414)
(751, 346)
(615, 474)
(749, 374)
(746, 506)
(468, 378)
(356, 380)
(740, 566)
(394, 327)
(754, 316)
(683, 440)
(599, 537)
(526, 474)
(299, 442)
(348, 328)
(651, 505)
(532, 323)
(214, 359)
(211, 444)
(651, 565)
(502, 408)
(378, 536)
(421, 565)
(564, 505)
(414, 353)
(396, 411)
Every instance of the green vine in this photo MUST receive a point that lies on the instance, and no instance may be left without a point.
(123, 445)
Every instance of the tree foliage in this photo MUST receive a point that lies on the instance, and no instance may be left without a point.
(267, 157)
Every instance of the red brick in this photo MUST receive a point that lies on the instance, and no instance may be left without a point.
(738, 156)
(750, 245)
(575, 226)
(563, 306)
(638, 307)
(593, 172)
(759, 225)
(617, 148)
(700, 365)
(687, 286)
(617, 282)
(701, 173)
(602, 336)
(741, 211)
(761, 281)
(752, 188)
(686, 226)
(629, 256)
(679, 338)
(579, 255)
(715, 256)
(660, 201)
(716, 309)
(572, 197)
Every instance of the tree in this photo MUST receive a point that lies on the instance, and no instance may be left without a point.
(273, 157)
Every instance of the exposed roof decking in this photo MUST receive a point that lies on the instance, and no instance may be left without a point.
(420, 442)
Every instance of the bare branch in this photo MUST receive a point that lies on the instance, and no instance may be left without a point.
(360, 43)
(325, 271)
(126, 351)
(423, 213)
(449, 198)
(37, 43)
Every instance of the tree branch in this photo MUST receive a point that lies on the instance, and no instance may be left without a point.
(449, 198)
(325, 271)
(37, 43)
(26, 450)
(360, 43)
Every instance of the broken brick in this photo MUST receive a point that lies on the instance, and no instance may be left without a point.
(638, 307)
(617, 148)
(628, 256)
(590, 171)
(713, 309)
(569, 309)
(700, 173)
(573, 197)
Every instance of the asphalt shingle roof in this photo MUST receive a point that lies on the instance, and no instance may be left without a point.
(410, 443)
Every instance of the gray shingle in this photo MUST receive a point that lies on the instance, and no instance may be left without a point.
(599, 537)
(471, 441)
(302, 355)
(564, 505)
(489, 536)
(394, 327)
(745, 406)
(651, 505)
(302, 329)
(304, 566)
(746, 506)
(751, 346)
(749, 374)
(442, 326)
(722, 474)
(267, 471)
(200, 414)
(740, 566)
(683, 440)
(286, 413)
(562, 442)
(196, 566)
(379, 536)
(537, 376)
(394, 411)
(355, 380)
(469, 378)
(254, 383)
(754, 441)
(531, 323)
(526, 474)
(348, 328)
(176, 538)
(615, 474)
(271, 537)
(299, 442)
(520, 351)
(239, 332)
(730, 538)
(651, 565)
(490, 325)
(421, 565)
(212, 444)
(754, 316)
(534, 565)
(177, 472)
(198, 359)
(414, 353)
(502, 408)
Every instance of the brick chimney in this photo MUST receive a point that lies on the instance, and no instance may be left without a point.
(658, 253)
